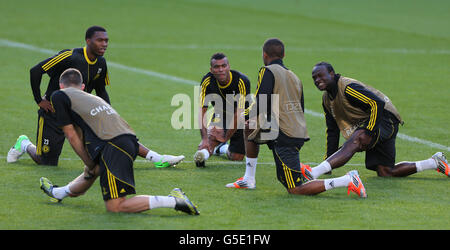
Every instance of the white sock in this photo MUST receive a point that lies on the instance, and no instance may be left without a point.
(61, 192)
(153, 156)
(337, 182)
(206, 153)
(223, 149)
(24, 145)
(220, 149)
(425, 164)
(321, 169)
(161, 201)
(250, 169)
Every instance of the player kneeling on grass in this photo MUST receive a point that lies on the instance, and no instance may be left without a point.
(108, 149)
(226, 90)
(369, 121)
(286, 118)
(50, 138)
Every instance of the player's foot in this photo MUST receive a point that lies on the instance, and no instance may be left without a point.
(47, 187)
(16, 151)
(241, 183)
(356, 184)
(306, 173)
(442, 163)
(168, 161)
(199, 159)
(183, 203)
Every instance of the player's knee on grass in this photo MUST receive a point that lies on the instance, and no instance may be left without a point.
(235, 156)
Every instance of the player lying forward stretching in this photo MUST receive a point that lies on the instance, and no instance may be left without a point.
(108, 149)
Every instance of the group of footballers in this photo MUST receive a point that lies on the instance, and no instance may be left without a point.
(364, 116)
(239, 124)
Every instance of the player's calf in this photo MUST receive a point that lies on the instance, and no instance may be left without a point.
(235, 156)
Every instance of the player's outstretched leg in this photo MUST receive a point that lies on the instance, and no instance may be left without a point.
(176, 200)
(159, 161)
(351, 181)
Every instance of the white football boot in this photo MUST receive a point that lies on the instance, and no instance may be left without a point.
(16, 151)
(241, 183)
(442, 163)
(169, 161)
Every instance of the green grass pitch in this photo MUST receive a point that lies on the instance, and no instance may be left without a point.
(399, 47)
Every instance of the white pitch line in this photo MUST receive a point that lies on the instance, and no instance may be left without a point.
(296, 49)
(12, 44)
(152, 73)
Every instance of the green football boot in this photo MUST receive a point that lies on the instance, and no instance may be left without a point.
(168, 161)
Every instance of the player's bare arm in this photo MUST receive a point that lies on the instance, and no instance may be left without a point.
(203, 131)
(77, 145)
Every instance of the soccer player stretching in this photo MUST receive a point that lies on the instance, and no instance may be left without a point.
(369, 121)
(108, 148)
(90, 62)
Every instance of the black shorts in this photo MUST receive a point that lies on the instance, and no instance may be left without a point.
(237, 143)
(49, 140)
(382, 152)
(116, 167)
(287, 161)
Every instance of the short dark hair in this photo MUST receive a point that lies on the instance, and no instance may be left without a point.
(71, 77)
(91, 31)
(217, 56)
(274, 47)
(326, 65)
